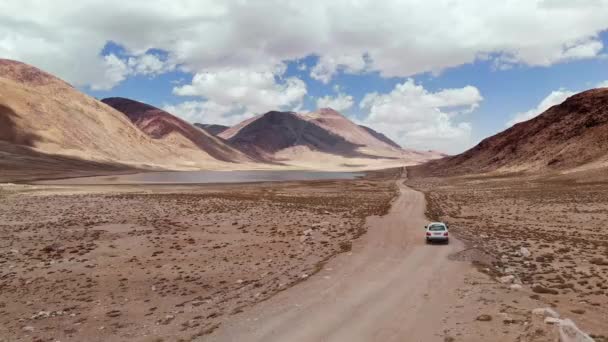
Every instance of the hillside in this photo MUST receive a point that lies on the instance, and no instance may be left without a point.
(45, 115)
(212, 128)
(570, 135)
(380, 137)
(275, 131)
(323, 139)
(336, 123)
(158, 124)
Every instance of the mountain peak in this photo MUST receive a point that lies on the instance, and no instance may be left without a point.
(328, 111)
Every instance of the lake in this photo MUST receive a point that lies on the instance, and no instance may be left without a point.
(198, 177)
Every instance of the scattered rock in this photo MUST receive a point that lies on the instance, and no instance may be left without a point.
(569, 332)
(113, 313)
(578, 311)
(516, 287)
(552, 320)
(542, 289)
(507, 279)
(599, 261)
(545, 312)
(41, 314)
(28, 328)
(167, 319)
(524, 252)
(484, 318)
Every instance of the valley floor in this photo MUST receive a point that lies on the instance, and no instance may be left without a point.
(256, 261)
(164, 263)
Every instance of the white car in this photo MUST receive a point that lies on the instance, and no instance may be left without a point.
(437, 232)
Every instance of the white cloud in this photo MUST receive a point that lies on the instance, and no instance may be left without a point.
(340, 102)
(391, 37)
(254, 91)
(207, 112)
(149, 64)
(231, 95)
(115, 71)
(603, 84)
(554, 98)
(418, 118)
(327, 66)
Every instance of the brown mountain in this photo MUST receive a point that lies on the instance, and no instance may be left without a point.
(380, 137)
(569, 135)
(49, 118)
(319, 139)
(338, 124)
(267, 134)
(212, 128)
(160, 125)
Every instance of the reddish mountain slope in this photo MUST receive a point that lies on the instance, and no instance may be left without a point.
(568, 135)
(212, 128)
(338, 124)
(275, 131)
(159, 124)
(48, 116)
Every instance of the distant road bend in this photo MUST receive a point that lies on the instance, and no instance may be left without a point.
(385, 290)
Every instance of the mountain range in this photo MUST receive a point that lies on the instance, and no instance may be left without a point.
(46, 125)
(572, 136)
(49, 128)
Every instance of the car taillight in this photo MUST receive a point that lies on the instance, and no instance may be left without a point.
(445, 234)
(428, 233)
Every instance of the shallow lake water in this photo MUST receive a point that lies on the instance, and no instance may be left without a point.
(198, 177)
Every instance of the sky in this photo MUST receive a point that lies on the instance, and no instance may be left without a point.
(438, 75)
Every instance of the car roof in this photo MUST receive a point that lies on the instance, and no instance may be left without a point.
(437, 223)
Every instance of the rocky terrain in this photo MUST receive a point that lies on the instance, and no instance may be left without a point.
(166, 263)
(570, 135)
(540, 235)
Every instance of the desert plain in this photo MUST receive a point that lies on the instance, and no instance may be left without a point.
(166, 262)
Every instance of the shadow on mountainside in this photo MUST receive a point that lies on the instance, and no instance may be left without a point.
(9, 131)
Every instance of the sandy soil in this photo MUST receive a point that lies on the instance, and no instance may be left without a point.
(166, 263)
(559, 221)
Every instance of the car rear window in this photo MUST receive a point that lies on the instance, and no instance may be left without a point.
(436, 227)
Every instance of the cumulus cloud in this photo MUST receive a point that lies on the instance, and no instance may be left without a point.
(66, 38)
(327, 66)
(603, 84)
(149, 64)
(340, 102)
(234, 94)
(254, 91)
(207, 112)
(418, 118)
(554, 98)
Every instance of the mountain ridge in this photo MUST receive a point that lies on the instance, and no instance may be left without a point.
(573, 134)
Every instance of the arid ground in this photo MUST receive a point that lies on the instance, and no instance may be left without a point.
(304, 261)
(548, 232)
(166, 263)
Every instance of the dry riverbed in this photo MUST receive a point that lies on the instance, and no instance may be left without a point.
(166, 263)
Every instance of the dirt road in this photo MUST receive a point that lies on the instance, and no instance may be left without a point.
(390, 287)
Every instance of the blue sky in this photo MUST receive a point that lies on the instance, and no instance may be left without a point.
(505, 92)
(429, 74)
